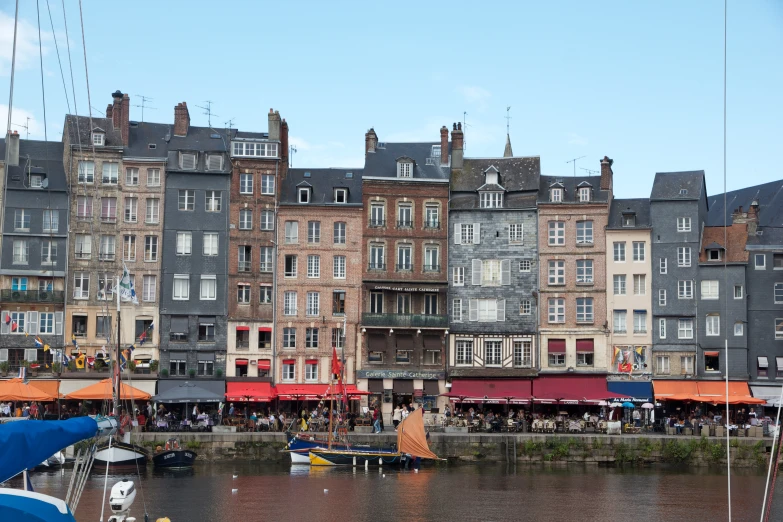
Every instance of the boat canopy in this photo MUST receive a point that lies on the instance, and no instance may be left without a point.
(16, 504)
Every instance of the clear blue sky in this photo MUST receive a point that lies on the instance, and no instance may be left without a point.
(640, 82)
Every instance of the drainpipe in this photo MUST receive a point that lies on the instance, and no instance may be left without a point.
(273, 366)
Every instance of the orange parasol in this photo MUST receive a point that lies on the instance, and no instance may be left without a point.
(17, 390)
(102, 390)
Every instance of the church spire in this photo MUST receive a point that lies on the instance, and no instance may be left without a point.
(507, 153)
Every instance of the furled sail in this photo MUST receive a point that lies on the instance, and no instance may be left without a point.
(411, 438)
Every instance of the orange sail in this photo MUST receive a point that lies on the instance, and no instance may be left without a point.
(411, 438)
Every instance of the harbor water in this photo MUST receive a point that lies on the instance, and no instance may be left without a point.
(453, 493)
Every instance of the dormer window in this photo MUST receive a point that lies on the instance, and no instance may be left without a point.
(36, 181)
(404, 169)
(491, 200)
(584, 193)
(491, 176)
(629, 220)
(341, 195)
(98, 138)
(435, 153)
(214, 162)
(556, 195)
(303, 195)
(683, 192)
(713, 254)
(187, 160)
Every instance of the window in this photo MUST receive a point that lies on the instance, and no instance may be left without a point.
(377, 257)
(640, 321)
(778, 328)
(206, 368)
(662, 364)
(778, 293)
(338, 271)
(458, 276)
(267, 220)
(629, 220)
(404, 257)
(149, 286)
(431, 258)
(150, 248)
(661, 297)
(709, 289)
(153, 177)
(131, 176)
(619, 284)
(762, 366)
(51, 220)
(515, 233)
(711, 362)
(662, 265)
(491, 200)
(584, 232)
(245, 219)
(431, 216)
(45, 323)
(289, 337)
(21, 252)
(377, 215)
(84, 207)
(404, 169)
(556, 195)
(206, 329)
(184, 243)
(556, 272)
(525, 307)
(619, 322)
(86, 172)
(313, 231)
(619, 252)
(313, 266)
(313, 303)
(45, 284)
(245, 183)
(430, 304)
(153, 211)
(739, 328)
(131, 210)
(456, 310)
(713, 325)
(244, 258)
(187, 160)
(36, 181)
(79, 326)
(110, 173)
(107, 248)
(48, 252)
(303, 194)
(523, 354)
(290, 262)
(105, 286)
(760, 261)
(187, 200)
(291, 232)
(686, 364)
(491, 272)
(83, 247)
(243, 294)
(584, 194)
(22, 220)
(254, 149)
(108, 210)
(638, 251)
(467, 234)
(684, 256)
(404, 216)
(339, 232)
(267, 184)
(584, 310)
(103, 326)
(265, 254)
(210, 247)
(464, 352)
(289, 370)
(213, 200)
(525, 265)
(662, 328)
(181, 287)
(341, 195)
(97, 139)
(685, 289)
(376, 302)
(683, 224)
(685, 328)
(556, 310)
(311, 338)
(404, 304)
(737, 291)
(777, 261)
(556, 233)
(584, 271)
(19, 283)
(639, 284)
(584, 359)
(311, 371)
(492, 356)
(289, 303)
(713, 255)
(557, 359)
(265, 294)
(338, 302)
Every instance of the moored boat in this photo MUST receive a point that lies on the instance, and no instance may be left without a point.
(300, 444)
(173, 456)
(120, 453)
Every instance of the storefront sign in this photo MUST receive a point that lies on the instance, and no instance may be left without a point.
(394, 288)
(399, 374)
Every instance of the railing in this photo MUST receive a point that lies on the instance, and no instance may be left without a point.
(640, 330)
(106, 257)
(434, 225)
(375, 223)
(432, 268)
(108, 219)
(243, 345)
(206, 338)
(243, 266)
(404, 223)
(405, 320)
(32, 296)
(404, 266)
(376, 266)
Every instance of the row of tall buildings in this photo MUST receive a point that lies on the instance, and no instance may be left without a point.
(428, 272)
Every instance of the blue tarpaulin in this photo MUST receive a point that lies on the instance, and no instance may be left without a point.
(641, 391)
(32, 507)
(25, 444)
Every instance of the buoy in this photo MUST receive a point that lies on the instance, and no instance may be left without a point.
(326, 491)
(235, 476)
(234, 490)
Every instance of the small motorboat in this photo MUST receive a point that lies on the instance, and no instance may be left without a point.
(173, 456)
(120, 453)
(55, 461)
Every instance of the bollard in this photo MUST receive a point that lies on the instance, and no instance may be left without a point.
(354, 461)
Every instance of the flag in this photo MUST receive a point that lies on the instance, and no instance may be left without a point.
(142, 337)
(335, 362)
(73, 341)
(13, 326)
(47, 347)
(22, 372)
(38, 342)
(127, 288)
(7, 318)
(26, 334)
(152, 325)
(103, 351)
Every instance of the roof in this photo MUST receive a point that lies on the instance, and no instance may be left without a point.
(80, 132)
(640, 207)
(570, 185)
(669, 186)
(767, 237)
(769, 196)
(713, 237)
(323, 183)
(36, 157)
(383, 162)
(250, 135)
(200, 139)
(142, 135)
(515, 174)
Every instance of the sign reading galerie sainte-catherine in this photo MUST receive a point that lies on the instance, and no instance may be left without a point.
(399, 374)
(410, 289)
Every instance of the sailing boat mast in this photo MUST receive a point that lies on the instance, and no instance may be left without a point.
(118, 369)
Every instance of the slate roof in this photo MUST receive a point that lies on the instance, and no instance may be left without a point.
(640, 207)
(201, 140)
(142, 134)
(44, 158)
(250, 135)
(570, 185)
(79, 130)
(667, 186)
(323, 183)
(712, 238)
(515, 174)
(770, 198)
(383, 162)
(771, 237)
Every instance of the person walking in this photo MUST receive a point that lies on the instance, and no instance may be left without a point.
(376, 419)
(637, 418)
(397, 416)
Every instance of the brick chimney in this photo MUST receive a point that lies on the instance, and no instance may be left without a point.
(370, 141)
(109, 108)
(116, 111)
(444, 145)
(750, 218)
(12, 142)
(606, 173)
(181, 119)
(284, 147)
(274, 125)
(125, 119)
(457, 146)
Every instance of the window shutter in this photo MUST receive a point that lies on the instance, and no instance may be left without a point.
(32, 323)
(476, 272)
(457, 234)
(501, 303)
(4, 354)
(476, 233)
(505, 272)
(4, 328)
(473, 311)
(58, 323)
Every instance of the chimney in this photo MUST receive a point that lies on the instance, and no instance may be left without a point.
(457, 140)
(753, 217)
(116, 110)
(12, 142)
(370, 141)
(284, 146)
(444, 145)
(606, 173)
(181, 119)
(274, 125)
(109, 111)
(125, 120)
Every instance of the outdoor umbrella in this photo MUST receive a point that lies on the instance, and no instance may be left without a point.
(102, 390)
(603, 403)
(647, 406)
(16, 390)
(628, 405)
(615, 405)
(187, 392)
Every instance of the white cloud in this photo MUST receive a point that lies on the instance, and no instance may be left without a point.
(475, 95)
(26, 44)
(19, 117)
(576, 139)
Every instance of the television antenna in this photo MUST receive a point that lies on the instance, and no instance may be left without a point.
(26, 127)
(464, 127)
(144, 100)
(291, 152)
(208, 111)
(508, 120)
(229, 124)
(98, 111)
(591, 172)
(574, 162)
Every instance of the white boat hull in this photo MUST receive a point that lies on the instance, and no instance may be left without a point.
(300, 458)
(120, 455)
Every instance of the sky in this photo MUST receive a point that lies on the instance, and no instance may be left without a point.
(639, 82)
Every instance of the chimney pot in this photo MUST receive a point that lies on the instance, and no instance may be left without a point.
(457, 146)
(370, 141)
(181, 119)
(606, 173)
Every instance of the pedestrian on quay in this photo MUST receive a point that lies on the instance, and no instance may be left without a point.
(397, 416)
(637, 418)
(376, 419)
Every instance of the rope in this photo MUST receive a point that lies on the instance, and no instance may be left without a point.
(774, 476)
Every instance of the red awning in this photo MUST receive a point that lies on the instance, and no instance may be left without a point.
(350, 390)
(311, 361)
(264, 329)
(571, 388)
(301, 392)
(249, 391)
(241, 362)
(289, 361)
(712, 354)
(264, 364)
(243, 328)
(584, 345)
(556, 345)
(496, 391)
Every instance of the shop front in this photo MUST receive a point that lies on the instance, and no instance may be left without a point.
(390, 388)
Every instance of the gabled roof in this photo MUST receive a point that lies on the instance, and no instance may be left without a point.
(570, 184)
(516, 174)
(36, 157)
(638, 207)
(323, 182)
(80, 131)
(668, 186)
(713, 238)
(383, 162)
(491, 187)
(142, 135)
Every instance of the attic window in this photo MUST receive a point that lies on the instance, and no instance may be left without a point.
(341, 195)
(629, 220)
(187, 160)
(303, 195)
(404, 169)
(98, 138)
(713, 254)
(36, 181)
(214, 162)
(215, 136)
(349, 175)
(584, 193)
(491, 176)
(556, 195)
(435, 151)
(152, 146)
(683, 192)
(491, 200)
(307, 174)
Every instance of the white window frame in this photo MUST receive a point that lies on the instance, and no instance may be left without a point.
(303, 195)
(149, 288)
(208, 291)
(456, 310)
(404, 169)
(710, 289)
(619, 284)
(464, 352)
(585, 266)
(662, 297)
(618, 251)
(181, 291)
(683, 256)
(291, 232)
(738, 292)
(493, 353)
(556, 233)
(213, 200)
(639, 322)
(525, 265)
(458, 276)
(267, 220)
(712, 325)
(110, 174)
(620, 322)
(777, 293)
(184, 243)
(639, 251)
(525, 307)
(245, 219)
(152, 211)
(338, 267)
(556, 195)
(556, 310)
(684, 328)
(515, 233)
(153, 177)
(313, 266)
(683, 224)
(584, 232)
(210, 244)
(663, 267)
(289, 303)
(246, 183)
(585, 310)
(341, 196)
(267, 184)
(131, 176)
(491, 200)
(584, 194)
(685, 289)
(661, 328)
(556, 272)
(313, 304)
(739, 329)
(186, 200)
(639, 284)
(662, 365)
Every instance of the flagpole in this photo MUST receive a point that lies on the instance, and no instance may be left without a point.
(118, 369)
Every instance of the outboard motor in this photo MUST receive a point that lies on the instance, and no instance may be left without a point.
(123, 494)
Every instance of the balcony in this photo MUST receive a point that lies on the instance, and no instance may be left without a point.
(432, 225)
(377, 223)
(404, 223)
(32, 296)
(243, 266)
(402, 267)
(432, 268)
(405, 320)
(376, 266)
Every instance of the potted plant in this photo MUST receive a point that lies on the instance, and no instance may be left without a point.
(219, 372)
(4, 367)
(192, 373)
(131, 366)
(99, 365)
(72, 365)
(57, 368)
(154, 366)
(164, 372)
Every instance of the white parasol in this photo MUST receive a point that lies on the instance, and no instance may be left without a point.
(616, 405)
(647, 406)
(603, 403)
